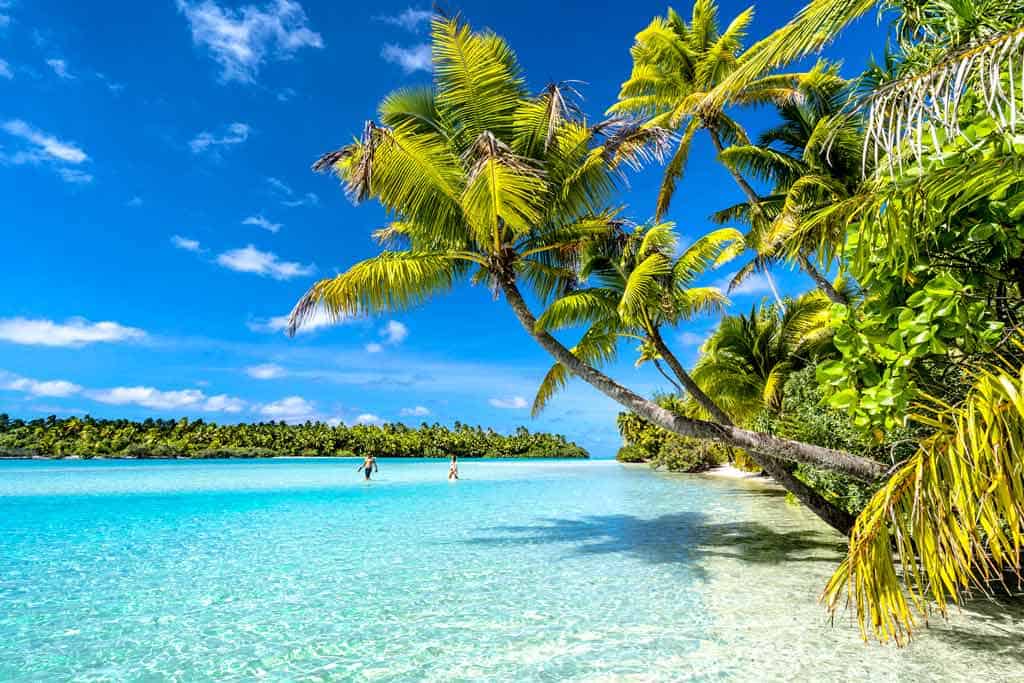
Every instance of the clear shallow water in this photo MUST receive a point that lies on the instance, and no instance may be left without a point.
(580, 571)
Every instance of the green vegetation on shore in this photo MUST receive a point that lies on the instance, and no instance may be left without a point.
(89, 437)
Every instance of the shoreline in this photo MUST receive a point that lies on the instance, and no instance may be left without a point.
(297, 457)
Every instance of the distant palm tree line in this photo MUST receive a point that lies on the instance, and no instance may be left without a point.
(88, 437)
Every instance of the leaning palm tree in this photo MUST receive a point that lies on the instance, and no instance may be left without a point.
(641, 287)
(675, 67)
(747, 360)
(811, 159)
(487, 182)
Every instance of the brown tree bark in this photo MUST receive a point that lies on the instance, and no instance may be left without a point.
(837, 518)
(826, 458)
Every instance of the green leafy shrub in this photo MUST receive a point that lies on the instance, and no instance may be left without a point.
(682, 454)
(631, 453)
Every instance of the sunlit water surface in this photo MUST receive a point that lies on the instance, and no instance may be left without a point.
(556, 571)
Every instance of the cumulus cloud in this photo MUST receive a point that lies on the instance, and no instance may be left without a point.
(235, 134)
(60, 67)
(394, 332)
(74, 332)
(222, 403)
(374, 347)
(513, 403)
(418, 411)
(368, 418)
(5, 70)
(242, 40)
(149, 397)
(57, 388)
(410, 59)
(249, 259)
(265, 371)
(410, 19)
(290, 408)
(262, 222)
(279, 323)
(186, 243)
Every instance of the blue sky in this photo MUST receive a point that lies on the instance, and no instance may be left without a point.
(160, 218)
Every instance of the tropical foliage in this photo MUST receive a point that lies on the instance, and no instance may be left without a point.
(88, 437)
(907, 180)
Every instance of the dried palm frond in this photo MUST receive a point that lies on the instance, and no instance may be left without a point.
(904, 111)
(951, 518)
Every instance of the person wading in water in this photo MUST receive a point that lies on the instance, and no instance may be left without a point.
(369, 463)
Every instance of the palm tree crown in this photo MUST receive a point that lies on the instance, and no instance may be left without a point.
(481, 178)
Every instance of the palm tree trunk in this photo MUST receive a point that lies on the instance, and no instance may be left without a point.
(835, 517)
(824, 285)
(826, 458)
(755, 205)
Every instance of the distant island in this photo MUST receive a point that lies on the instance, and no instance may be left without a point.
(88, 437)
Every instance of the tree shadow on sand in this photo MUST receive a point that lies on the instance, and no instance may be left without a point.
(684, 537)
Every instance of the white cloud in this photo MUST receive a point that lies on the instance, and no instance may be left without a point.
(308, 199)
(265, 371)
(318, 319)
(47, 147)
(249, 259)
(280, 185)
(756, 283)
(410, 59)
(242, 40)
(113, 86)
(289, 197)
(5, 70)
(286, 94)
(60, 67)
(186, 243)
(74, 176)
(374, 347)
(75, 332)
(692, 338)
(394, 332)
(263, 223)
(57, 388)
(368, 418)
(289, 409)
(148, 397)
(134, 202)
(222, 403)
(418, 411)
(410, 19)
(236, 134)
(515, 402)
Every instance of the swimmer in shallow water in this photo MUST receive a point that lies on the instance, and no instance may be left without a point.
(369, 463)
(453, 469)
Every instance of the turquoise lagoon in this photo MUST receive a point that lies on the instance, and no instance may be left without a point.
(523, 571)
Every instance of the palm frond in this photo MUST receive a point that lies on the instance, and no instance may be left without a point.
(709, 251)
(391, 281)
(597, 347)
(952, 515)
